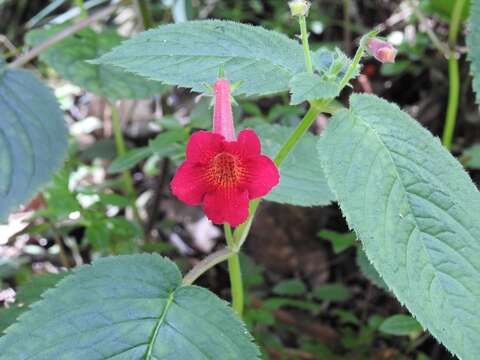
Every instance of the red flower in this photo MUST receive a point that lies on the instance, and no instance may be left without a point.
(222, 173)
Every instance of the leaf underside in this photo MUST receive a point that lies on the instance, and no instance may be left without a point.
(69, 59)
(190, 54)
(473, 41)
(302, 180)
(128, 307)
(33, 137)
(416, 211)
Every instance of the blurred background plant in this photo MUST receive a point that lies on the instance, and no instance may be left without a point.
(312, 294)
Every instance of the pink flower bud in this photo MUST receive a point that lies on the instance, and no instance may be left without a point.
(222, 112)
(382, 50)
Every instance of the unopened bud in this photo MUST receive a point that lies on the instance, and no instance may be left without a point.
(382, 50)
(299, 7)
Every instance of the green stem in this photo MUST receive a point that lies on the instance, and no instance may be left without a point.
(121, 150)
(306, 47)
(453, 76)
(299, 131)
(452, 107)
(144, 10)
(210, 261)
(455, 23)
(235, 273)
(353, 66)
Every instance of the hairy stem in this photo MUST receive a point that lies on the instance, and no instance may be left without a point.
(34, 52)
(235, 273)
(206, 264)
(299, 131)
(121, 150)
(306, 47)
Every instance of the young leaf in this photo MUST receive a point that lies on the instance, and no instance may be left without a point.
(69, 58)
(400, 325)
(189, 55)
(473, 39)
(340, 241)
(471, 157)
(330, 67)
(290, 287)
(129, 159)
(416, 211)
(302, 181)
(332, 292)
(33, 137)
(128, 307)
(305, 86)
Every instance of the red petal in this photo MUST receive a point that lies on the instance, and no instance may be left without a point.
(188, 184)
(247, 144)
(226, 206)
(262, 176)
(203, 145)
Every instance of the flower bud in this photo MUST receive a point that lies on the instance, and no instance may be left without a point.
(299, 7)
(222, 111)
(382, 50)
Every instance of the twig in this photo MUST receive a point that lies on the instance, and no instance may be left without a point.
(35, 51)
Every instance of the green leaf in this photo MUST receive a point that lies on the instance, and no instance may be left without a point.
(129, 159)
(400, 325)
(305, 86)
(302, 181)
(128, 307)
(189, 55)
(69, 59)
(471, 157)
(98, 235)
(26, 295)
(162, 144)
(290, 287)
(330, 67)
(33, 137)
(416, 211)
(340, 241)
(332, 292)
(473, 39)
(368, 270)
